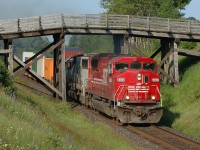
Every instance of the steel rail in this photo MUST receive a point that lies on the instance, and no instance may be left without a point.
(169, 142)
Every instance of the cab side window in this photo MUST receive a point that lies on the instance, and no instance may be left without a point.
(119, 66)
(94, 64)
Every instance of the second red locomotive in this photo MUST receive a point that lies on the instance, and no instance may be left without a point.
(124, 87)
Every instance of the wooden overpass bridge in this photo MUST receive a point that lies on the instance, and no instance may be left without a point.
(169, 31)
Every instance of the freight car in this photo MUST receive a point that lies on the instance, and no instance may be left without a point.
(73, 51)
(124, 87)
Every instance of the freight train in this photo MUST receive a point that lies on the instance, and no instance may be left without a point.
(126, 88)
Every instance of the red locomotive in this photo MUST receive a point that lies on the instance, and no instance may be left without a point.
(124, 87)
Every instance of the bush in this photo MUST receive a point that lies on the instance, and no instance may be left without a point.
(5, 78)
(188, 45)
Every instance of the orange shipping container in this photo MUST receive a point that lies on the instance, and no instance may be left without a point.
(48, 69)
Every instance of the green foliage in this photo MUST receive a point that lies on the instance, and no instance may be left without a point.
(182, 104)
(185, 63)
(158, 8)
(188, 45)
(5, 78)
(92, 43)
(38, 122)
(32, 44)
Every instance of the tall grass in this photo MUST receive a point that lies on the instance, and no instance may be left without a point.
(38, 122)
(182, 104)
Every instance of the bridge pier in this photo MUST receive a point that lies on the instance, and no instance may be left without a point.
(59, 87)
(169, 61)
(8, 54)
(59, 66)
(120, 45)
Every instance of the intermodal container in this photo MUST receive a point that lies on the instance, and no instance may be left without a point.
(40, 67)
(70, 52)
(26, 55)
(33, 66)
(48, 69)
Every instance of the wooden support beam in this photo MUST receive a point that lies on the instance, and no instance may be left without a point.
(10, 59)
(169, 63)
(6, 51)
(59, 66)
(139, 52)
(35, 56)
(156, 53)
(118, 43)
(63, 69)
(9, 54)
(44, 53)
(191, 53)
(176, 69)
(166, 57)
(17, 60)
(168, 76)
(159, 50)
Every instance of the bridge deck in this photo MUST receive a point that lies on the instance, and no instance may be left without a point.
(100, 24)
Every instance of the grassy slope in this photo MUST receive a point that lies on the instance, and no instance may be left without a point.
(182, 104)
(37, 122)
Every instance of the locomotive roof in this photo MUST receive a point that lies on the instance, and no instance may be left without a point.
(138, 58)
(109, 54)
(116, 56)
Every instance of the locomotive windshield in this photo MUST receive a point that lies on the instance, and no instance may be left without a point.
(136, 65)
(149, 66)
(121, 65)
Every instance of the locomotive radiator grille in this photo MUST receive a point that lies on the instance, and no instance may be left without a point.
(138, 92)
(138, 88)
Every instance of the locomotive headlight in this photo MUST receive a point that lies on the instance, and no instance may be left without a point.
(139, 76)
(127, 97)
(153, 97)
(121, 80)
(155, 79)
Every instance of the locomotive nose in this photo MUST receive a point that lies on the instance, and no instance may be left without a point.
(140, 86)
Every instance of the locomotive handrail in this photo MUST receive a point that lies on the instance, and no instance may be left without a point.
(117, 92)
(159, 94)
(157, 89)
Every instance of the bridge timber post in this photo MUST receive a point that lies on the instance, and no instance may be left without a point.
(59, 66)
(8, 54)
(120, 46)
(169, 61)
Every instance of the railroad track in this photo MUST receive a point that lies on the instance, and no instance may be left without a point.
(164, 138)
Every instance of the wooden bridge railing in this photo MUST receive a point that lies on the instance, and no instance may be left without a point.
(99, 21)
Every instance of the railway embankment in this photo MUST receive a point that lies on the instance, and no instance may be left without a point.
(182, 104)
(33, 120)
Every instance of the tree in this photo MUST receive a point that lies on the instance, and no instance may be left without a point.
(32, 44)
(92, 43)
(5, 79)
(73, 41)
(158, 8)
(152, 8)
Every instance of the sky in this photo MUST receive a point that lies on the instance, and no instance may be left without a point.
(12, 9)
(25, 8)
(192, 10)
